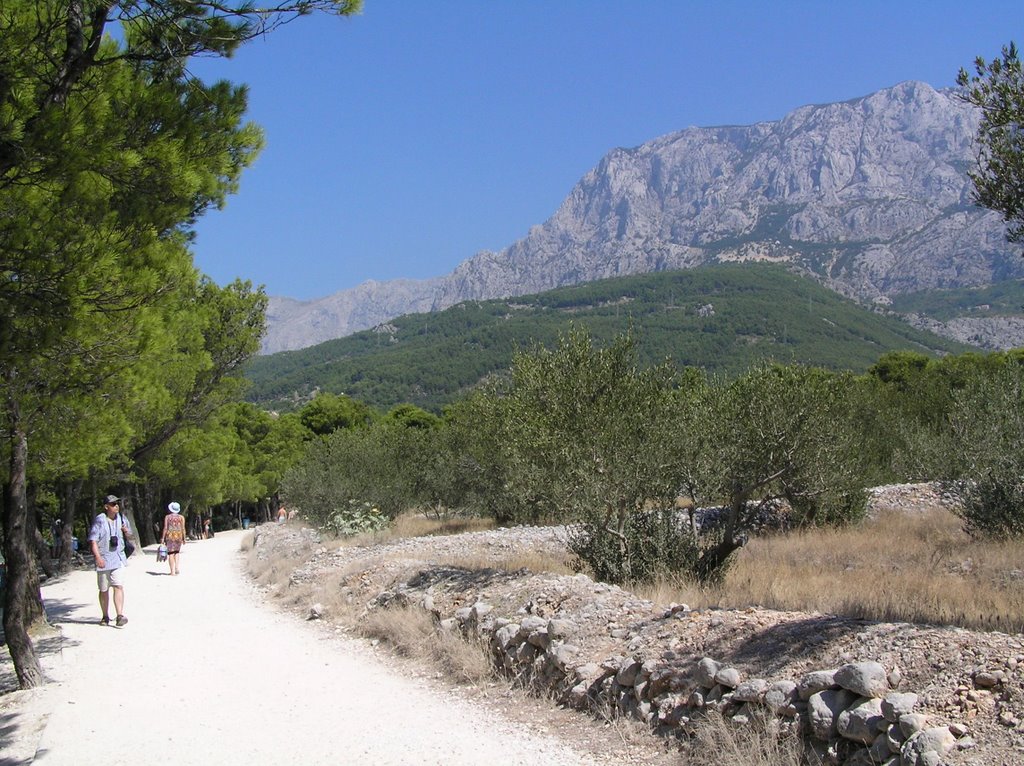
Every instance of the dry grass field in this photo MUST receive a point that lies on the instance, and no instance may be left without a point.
(919, 568)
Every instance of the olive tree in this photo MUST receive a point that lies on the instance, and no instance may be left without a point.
(776, 433)
(997, 88)
(986, 431)
(584, 435)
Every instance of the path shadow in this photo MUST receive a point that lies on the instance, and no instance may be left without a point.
(10, 731)
(59, 610)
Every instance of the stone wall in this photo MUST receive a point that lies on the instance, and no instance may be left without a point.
(850, 714)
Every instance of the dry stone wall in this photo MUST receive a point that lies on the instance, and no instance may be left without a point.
(850, 714)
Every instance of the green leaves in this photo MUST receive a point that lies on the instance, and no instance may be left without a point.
(986, 430)
(997, 88)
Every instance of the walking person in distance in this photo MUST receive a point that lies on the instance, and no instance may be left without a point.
(173, 535)
(106, 539)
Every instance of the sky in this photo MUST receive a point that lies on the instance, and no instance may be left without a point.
(402, 141)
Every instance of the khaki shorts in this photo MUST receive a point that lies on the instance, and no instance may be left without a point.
(110, 577)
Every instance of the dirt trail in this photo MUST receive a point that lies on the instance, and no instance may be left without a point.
(205, 674)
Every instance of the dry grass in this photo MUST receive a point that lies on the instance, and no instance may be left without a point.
(717, 741)
(412, 633)
(899, 568)
(274, 571)
(418, 525)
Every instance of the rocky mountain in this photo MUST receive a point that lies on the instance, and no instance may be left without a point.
(870, 196)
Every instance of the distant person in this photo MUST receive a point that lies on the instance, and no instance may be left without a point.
(106, 539)
(173, 536)
(57, 530)
(208, 528)
(282, 515)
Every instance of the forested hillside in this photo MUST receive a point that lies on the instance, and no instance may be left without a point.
(721, 318)
(1002, 299)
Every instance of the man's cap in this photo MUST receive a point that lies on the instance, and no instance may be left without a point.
(112, 500)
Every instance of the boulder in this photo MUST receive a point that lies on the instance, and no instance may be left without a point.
(862, 721)
(824, 708)
(706, 670)
(729, 677)
(865, 679)
(815, 682)
(753, 690)
(896, 704)
(780, 697)
(927, 747)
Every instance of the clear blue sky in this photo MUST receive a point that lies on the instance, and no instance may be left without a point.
(404, 140)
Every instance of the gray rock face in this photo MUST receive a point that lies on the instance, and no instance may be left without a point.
(870, 196)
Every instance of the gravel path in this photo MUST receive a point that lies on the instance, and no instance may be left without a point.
(203, 673)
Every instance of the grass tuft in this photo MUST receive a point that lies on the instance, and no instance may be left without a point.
(716, 740)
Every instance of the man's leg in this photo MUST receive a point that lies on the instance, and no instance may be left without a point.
(104, 601)
(118, 600)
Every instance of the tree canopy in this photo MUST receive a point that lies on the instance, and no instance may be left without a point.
(109, 152)
(997, 88)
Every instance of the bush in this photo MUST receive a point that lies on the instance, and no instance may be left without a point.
(354, 519)
(986, 430)
(657, 542)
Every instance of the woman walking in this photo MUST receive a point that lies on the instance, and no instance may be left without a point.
(174, 535)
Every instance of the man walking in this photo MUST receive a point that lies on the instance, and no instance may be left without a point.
(106, 538)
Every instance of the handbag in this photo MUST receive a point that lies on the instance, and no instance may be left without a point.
(129, 546)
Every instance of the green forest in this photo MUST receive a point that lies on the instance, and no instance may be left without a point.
(720, 319)
(1001, 299)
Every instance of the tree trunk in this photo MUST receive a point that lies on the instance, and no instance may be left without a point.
(147, 511)
(69, 501)
(43, 552)
(625, 554)
(711, 565)
(129, 501)
(22, 600)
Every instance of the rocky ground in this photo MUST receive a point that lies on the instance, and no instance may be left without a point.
(969, 678)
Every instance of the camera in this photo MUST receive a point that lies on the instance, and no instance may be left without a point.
(113, 543)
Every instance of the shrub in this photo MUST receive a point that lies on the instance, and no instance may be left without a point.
(987, 467)
(657, 542)
(355, 519)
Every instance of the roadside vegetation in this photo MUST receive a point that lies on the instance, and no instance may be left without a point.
(583, 435)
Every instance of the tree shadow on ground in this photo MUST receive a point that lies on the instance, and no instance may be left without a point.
(777, 646)
(462, 578)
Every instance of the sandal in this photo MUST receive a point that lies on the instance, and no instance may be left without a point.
(105, 620)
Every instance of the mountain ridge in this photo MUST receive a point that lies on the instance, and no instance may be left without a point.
(869, 196)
